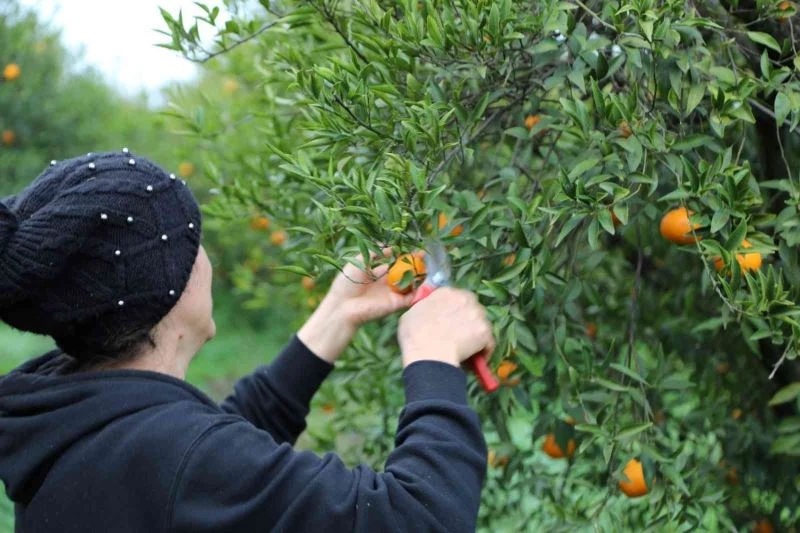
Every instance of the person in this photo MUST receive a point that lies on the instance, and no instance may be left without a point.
(103, 253)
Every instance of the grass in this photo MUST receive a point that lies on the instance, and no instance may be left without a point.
(244, 341)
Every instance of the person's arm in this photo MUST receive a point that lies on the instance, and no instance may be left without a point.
(276, 397)
(237, 478)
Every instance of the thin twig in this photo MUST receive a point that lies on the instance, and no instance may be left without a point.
(780, 361)
(211, 55)
(595, 15)
(761, 107)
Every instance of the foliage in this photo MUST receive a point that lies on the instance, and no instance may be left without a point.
(357, 122)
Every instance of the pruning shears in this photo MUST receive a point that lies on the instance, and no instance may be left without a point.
(437, 268)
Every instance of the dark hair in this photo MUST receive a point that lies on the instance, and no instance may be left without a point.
(93, 351)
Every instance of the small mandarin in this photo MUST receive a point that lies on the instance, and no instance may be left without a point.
(551, 447)
(230, 86)
(676, 227)
(732, 476)
(9, 137)
(736, 414)
(259, 223)
(443, 220)
(308, 283)
(509, 259)
(634, 485)
(11, 72)
(277, 237)
(405, 263)
(328, 408)
(185, 169)
(763, 526)
(532, 120)
(505, 369)
(591, 330)
(748, 262)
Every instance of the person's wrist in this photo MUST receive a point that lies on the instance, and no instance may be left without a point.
(327, 333)
(441, 355)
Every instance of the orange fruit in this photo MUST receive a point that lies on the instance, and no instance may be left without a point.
(308, 283)
(732, 476)
(405, 263)
(634, 486)
(763, 526)
(736, 414)
(505, 369)
(185, 169)
(552, 448)
(532, 120)
(259, 223)
(455, 232)
(277, 237)
(502, 460)
(230, 86)
(785, 5)
(509, 259)
(9, 137)
(591, 330)
(328, 408)
(11, 72)
(624, 129)
(748, 262)
(722, 368)
(311, 301)
(675, 226)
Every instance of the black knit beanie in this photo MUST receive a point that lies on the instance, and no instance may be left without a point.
(96, 246)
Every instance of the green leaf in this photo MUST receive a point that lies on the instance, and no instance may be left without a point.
(719, 220)
(786, 394)
(764, 38)
(782, 107)
(737, 236)
(568, 227)
(582, 167)
(628, 372)
(633, 430)
(291, 268)
(694, 97)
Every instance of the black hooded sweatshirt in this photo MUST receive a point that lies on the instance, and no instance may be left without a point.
(139, 451)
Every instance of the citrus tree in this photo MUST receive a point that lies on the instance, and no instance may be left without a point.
(618, 181)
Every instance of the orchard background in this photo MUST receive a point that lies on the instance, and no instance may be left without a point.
(543, 142)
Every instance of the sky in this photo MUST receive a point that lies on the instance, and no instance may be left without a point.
(118, 37)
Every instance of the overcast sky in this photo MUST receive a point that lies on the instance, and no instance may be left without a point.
(118, 37)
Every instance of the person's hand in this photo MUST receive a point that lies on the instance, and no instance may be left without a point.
(362, 295)
(448, 326)
(356, 296)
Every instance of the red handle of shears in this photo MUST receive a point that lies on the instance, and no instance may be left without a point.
(477, 363)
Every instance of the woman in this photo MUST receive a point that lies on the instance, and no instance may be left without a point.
(103, 253)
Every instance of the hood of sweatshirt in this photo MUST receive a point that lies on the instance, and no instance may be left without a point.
(45, 408)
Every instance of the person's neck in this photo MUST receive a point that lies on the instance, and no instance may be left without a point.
(171, 356)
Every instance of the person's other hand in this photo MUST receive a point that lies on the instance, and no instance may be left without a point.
(449, 326)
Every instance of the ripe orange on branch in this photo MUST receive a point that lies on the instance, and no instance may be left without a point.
(748, 262)
(277, 237)
(532, 120)
(185, 169)
(551, 447)
(455, 232)
(763, 526)
(11, 72)
(259, 223)
(675, 226)
(405, 263)
(634, 486)
(308, 283)
(9, 137)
